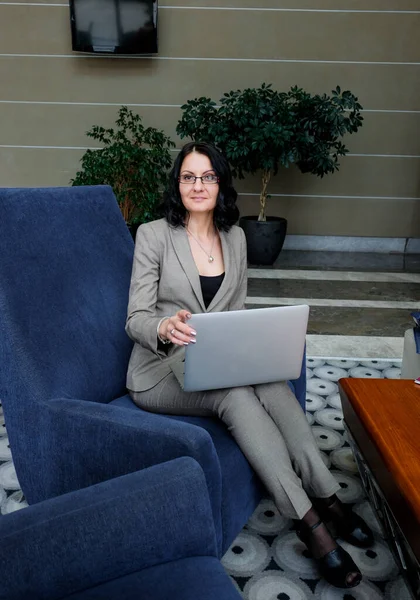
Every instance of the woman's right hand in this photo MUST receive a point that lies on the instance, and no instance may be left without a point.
(176, 330)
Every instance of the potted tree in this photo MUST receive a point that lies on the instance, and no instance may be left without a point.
(134, 161)
(260, 130)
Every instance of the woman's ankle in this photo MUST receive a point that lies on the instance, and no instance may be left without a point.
(330, 508)
(322, 541)
(316, 534)
(310, 518)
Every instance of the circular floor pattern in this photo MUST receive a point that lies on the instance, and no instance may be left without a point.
(334, 400)
(290, 553)
(329, 372)
(397, 590)
(275, 585)
(327, 439)
(323, 387)
(314, 362)
(314, 402)
(267, 520)
(310, 418)
(366, 373)
(5, 452)
(326, 458)
(3, 497)
(8, 477)
(364, 509)
(235, 584)
(376, 364)
(342, 363)
(3, 431)
(330, 417)
(363, 591)
(346, 436)
(392, 373)
(376, 563)
(343, 458)
(249, 554)
(351, 490)
(13, 503)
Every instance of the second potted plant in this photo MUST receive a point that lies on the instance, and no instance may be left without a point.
(134, 161)
(260, 130)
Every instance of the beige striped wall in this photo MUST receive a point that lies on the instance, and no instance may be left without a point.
(49, 97)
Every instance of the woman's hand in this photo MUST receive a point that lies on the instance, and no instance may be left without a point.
(176, 330)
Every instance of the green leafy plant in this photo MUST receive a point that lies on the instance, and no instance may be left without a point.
(134, 161)
(261, 130)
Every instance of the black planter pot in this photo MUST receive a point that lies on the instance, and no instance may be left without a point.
(264, 239)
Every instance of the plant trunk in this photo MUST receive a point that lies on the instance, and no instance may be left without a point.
(266, 176)
(127, 209)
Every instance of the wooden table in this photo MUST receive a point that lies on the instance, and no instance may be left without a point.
(382, 418)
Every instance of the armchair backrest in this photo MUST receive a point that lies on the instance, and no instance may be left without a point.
(65, 266)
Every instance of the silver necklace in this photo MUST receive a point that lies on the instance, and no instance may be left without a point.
(209, 256)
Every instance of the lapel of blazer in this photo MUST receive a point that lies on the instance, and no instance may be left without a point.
(229, 269)
(183, 251)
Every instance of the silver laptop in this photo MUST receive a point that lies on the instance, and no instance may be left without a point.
(244, 347)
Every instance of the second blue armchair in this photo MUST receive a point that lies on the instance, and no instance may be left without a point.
(146, 535)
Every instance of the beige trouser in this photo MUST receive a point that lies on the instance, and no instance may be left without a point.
(269, 426)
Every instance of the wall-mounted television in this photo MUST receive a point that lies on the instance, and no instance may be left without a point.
(114, 26)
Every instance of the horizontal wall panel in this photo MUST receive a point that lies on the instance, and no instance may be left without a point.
(175, 81)
(65, 125)
(342, 216)
(275, 35)
(303, 36)
(292, 35)
(314, 216)
(358, 176)
(46, 29)
(294, 4)
(22, 167)
(34, 2)
(346, 5)
(386, 133)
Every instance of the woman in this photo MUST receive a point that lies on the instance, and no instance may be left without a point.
(194, 260)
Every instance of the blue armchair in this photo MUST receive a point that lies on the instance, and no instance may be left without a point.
(148, 534)
(65, 268)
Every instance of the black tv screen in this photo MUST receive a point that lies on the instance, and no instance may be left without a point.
(114, 26)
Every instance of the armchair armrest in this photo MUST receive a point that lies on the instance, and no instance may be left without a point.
(82, 539)
(84, 443)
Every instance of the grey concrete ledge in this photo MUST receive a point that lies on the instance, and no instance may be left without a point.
(352, 347)
(413, 246)
(305, 275)
(352, 244)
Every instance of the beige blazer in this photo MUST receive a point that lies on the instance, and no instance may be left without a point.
(164, 280)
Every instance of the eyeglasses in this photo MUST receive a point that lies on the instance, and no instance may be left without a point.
(209, 179)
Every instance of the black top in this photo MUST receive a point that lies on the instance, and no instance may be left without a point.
(209, 287)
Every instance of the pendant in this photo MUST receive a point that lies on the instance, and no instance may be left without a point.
(211, 259)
